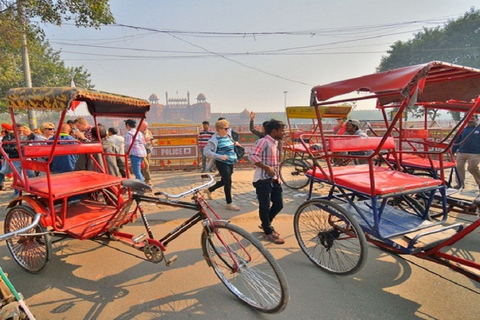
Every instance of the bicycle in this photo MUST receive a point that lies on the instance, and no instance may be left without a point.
(239, 260)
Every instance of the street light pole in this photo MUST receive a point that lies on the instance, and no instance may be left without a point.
(285, 103)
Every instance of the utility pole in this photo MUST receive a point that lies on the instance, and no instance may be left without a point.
(32, 120)
(285, 103)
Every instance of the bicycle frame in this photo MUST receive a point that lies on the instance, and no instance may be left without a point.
(204, 213)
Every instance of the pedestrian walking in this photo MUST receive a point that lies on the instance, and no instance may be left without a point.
(467, 147)
(203, 137)
(138, 151)
(220, 150)
(265, 156)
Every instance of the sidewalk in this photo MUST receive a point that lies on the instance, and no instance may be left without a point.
(101, 279)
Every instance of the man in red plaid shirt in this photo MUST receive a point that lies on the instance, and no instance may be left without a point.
(266, 181)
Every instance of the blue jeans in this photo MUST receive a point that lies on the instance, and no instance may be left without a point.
(268, 192)
(137, 167)
(226, 171)
(18, 167)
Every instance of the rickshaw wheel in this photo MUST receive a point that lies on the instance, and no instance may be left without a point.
(330, 237)
(30, 252)
(106, 196)
(293, 173)
(408, 204)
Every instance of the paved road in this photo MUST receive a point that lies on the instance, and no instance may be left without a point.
(101, 280)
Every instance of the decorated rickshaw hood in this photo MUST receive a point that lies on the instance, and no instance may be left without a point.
(439, 81)
(61, 98)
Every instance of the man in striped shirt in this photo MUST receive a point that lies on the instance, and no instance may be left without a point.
(266, 181)
(203, 137)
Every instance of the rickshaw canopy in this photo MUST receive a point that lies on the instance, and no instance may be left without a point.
(324, 111)
(67, 98)
(438, 81)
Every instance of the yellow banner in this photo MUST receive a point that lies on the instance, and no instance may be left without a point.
(177, 141)
(325, 112)
(301, 113)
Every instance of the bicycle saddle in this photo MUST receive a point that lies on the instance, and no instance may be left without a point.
(136, 185)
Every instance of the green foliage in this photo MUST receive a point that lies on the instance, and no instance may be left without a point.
(47, 68)
(84, 13)
(457, 42)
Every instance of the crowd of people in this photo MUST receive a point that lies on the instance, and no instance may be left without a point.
(218, 149)
(138, 145)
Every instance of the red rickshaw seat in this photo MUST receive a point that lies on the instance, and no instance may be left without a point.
(412, 160)
(70, 183)
(386, 180)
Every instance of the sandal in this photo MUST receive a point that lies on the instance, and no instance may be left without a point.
(273, 230)
(273, 238)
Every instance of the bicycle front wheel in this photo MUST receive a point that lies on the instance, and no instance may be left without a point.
(330, 237)
(245, 267)
(292, 173)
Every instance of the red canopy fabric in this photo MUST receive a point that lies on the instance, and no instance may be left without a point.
(443, 81)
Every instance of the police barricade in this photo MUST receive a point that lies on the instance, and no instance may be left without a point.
(175, 147)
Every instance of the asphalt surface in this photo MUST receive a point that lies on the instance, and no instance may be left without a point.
(97, 279)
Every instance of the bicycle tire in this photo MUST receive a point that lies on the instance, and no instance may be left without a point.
(30, 252)
(408, 203)
(293, 173)
(330, 237)
(259, 282)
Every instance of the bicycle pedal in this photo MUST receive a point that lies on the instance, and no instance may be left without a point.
(139, 238)
(170, 261)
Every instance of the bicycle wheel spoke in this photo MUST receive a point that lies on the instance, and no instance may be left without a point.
(257, 279)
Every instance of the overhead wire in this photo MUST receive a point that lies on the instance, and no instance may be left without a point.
(379, 30)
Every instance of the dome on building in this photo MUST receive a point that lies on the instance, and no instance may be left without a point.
(153, 97)
(201, 96)
(245, 112)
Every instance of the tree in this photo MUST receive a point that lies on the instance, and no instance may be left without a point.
(457, 42)
(47, 69)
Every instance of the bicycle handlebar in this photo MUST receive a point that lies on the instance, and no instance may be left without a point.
(191, 191)
(15, 233)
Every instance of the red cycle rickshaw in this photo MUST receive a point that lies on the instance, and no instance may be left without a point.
(379, 202)
(87, 204)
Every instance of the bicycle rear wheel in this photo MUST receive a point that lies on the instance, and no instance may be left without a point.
(292, 173)
(30, 252)
(258, 281)
(330, 237)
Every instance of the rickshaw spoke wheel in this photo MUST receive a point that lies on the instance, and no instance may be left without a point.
(293, 173)
(330, 237)
(30, 252)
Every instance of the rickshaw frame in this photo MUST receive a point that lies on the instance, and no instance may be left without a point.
(354, 194)
(108, 202)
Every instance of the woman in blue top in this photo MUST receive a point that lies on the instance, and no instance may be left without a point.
(220, 150)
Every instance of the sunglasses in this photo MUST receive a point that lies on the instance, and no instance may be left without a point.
(225, 128)
(49, 128)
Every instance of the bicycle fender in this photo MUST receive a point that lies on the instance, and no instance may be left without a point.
(46, 219)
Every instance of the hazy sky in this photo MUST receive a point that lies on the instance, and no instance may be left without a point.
(244, 54)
